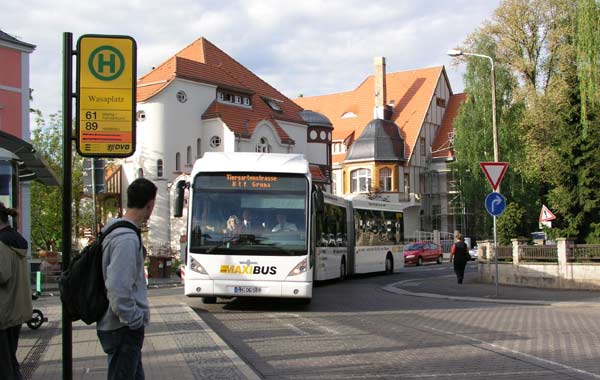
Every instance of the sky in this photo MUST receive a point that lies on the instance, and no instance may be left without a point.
(308, 47)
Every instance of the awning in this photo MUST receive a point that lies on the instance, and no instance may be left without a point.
(31, 165)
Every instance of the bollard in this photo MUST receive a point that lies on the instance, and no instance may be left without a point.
(38, 281)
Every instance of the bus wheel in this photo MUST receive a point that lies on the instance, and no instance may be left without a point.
(389, 264)
(343, 270)
(209, 300)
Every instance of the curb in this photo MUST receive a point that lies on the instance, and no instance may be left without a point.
(395, 288)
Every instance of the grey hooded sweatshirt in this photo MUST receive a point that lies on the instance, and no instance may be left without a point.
(123, 270)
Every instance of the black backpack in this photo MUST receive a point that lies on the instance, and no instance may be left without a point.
(82, 289)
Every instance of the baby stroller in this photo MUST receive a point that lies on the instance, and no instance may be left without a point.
(37, 317)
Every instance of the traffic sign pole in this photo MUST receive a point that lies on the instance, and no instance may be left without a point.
(496, 258)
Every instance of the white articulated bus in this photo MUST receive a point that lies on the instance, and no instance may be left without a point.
(258, 227)
(358, 236)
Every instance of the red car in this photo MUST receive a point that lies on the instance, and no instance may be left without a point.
(421, 252)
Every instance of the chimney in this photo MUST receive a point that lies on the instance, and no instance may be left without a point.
(380, 100)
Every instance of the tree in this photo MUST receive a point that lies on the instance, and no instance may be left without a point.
(46, 210)
(588, 51)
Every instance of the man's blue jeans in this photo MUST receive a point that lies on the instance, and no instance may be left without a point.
(124, 349)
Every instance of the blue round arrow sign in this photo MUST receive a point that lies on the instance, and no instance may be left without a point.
(495, 203)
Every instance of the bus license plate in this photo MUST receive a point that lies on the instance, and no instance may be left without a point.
(246, 289)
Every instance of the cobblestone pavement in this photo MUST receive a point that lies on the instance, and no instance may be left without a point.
(356, 330)
(178, 344)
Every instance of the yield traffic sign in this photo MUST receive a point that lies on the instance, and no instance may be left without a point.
(494, 171)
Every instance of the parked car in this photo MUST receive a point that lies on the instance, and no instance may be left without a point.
(421, 252)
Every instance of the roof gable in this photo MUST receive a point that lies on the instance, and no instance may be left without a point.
(203, 62)
(411, 92)
(442, 146)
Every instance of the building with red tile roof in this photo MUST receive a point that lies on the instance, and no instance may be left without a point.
(201, 100)
(392, 140)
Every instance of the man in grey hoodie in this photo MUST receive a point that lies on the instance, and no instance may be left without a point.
(121, 329)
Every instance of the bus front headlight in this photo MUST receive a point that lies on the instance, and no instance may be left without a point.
(196, 267)
(299, 269)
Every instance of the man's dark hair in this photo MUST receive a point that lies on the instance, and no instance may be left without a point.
(140, 192)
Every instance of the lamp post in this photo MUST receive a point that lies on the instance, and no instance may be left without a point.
(457, 53)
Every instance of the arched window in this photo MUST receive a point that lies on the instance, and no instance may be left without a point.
(360, 180)
(198, 148)
(159, 168)
(188, 155)
(385, 179)
(177, 162)
(263, 146)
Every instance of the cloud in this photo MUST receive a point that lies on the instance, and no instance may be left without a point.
(308, 47)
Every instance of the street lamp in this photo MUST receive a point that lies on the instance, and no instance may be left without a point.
(457, 53)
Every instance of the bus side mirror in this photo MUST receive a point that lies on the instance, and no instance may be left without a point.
(319, 202)
(179, 195)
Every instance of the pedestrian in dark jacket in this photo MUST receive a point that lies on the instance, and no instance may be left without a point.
(15, 294)
(121, 329)
(460, 256)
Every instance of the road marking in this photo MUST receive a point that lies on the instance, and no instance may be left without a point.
(520, 354)
(244, 368)
(302, 320)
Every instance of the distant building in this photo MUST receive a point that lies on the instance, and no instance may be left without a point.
(392, 140)
(203, 100)
(19, 163)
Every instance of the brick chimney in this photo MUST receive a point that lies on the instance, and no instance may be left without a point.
(380, 99)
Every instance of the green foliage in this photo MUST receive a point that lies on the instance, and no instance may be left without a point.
(513, 223)
(46, 201)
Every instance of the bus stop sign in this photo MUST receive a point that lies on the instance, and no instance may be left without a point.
(106, 88)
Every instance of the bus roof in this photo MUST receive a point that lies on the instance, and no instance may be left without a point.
(377, 205)
(252, 162)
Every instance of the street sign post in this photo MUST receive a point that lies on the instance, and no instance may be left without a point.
(106, 88)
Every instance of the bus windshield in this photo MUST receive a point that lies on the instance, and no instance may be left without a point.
(249, 214)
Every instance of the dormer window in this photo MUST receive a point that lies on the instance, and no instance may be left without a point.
(348, 115)
(263, 146)
(273, 104)
(225, 96)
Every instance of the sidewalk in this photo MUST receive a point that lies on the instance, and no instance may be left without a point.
(472, 290)
(178, 344)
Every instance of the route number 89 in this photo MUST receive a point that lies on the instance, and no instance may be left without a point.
(91, 125)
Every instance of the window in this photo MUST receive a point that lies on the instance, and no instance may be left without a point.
(407, 183)
(238, 99)
(159, 168)
(177, 162)
(181, 96)
(423, 146)
(246, 101)
(361, 180)
(140, 115)
(198, 148)
(273, 104)
(263, 146)
(441, 102)
(385, 179)
(215, 141)
(334, 183)
(436, 219)
(140, 173)
(188, 155)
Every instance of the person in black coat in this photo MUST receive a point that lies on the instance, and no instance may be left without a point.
(460, 256)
